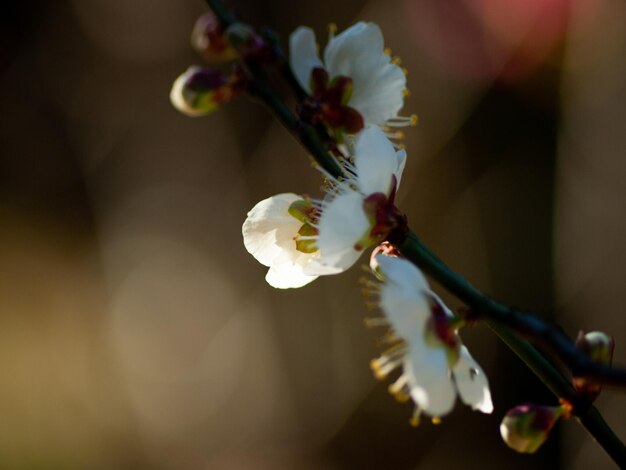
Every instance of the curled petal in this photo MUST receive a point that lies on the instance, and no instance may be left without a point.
(471, 382)
(268, 230)
(303, 56)
(401, 162)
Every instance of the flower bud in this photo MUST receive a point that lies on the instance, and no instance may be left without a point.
(249, 43)
(208, 39)
(599, 346)
(200, 91)
(526, 427)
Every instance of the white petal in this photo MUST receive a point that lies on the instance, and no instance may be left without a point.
(303, 56)
(401, 162)
(335, 264)
(407, 311)
(403, 296)
(287, 276)
(268, 230)
(358, 53)
(342, 224)
(378, 94)
(471, 382)
(375, 161)
(403, 273)
(429, 378)
(359, 41)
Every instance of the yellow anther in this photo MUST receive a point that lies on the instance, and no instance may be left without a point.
(374, 322)
(436, 421)
(399, 135)
(401, 146)
(379, 374)
(396, 60)
(332, 28)
(387, 51)
(406, 92)
(399, 395)
(369, 292)
(415, 421)
(405, 71)
(414, 120)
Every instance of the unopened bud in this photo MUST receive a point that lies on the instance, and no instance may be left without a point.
(200, 91)
(249, 43)
(208, 39)
(526, 427)
(599, 346)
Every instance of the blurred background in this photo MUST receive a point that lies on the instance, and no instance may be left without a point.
(137, 333)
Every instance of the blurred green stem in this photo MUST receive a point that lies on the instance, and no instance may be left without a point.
(509, 324)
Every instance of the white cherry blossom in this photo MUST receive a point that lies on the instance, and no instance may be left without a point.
(348, 222)
(358, 53)
(300, 239)
(436, 367)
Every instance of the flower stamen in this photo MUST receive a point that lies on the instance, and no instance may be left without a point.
(416, 418)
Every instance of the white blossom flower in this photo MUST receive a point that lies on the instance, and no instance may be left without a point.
(300, 239)
(376, 87)
(424, 332)
(358, 212)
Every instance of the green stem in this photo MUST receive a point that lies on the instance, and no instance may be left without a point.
(507, 323)
(260, 88)
(304, 133)
(595, 424)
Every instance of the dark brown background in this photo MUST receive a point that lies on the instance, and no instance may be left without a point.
(136, 332)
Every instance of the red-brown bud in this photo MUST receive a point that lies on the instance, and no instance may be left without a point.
(599, 346)
(209, 39)
(200, 91)
(526, 427)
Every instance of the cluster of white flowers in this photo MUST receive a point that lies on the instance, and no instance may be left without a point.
(300, 238)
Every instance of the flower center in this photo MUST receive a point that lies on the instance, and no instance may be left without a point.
(304, 211)
(328, 104)
(383, 216)
(441, 332)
